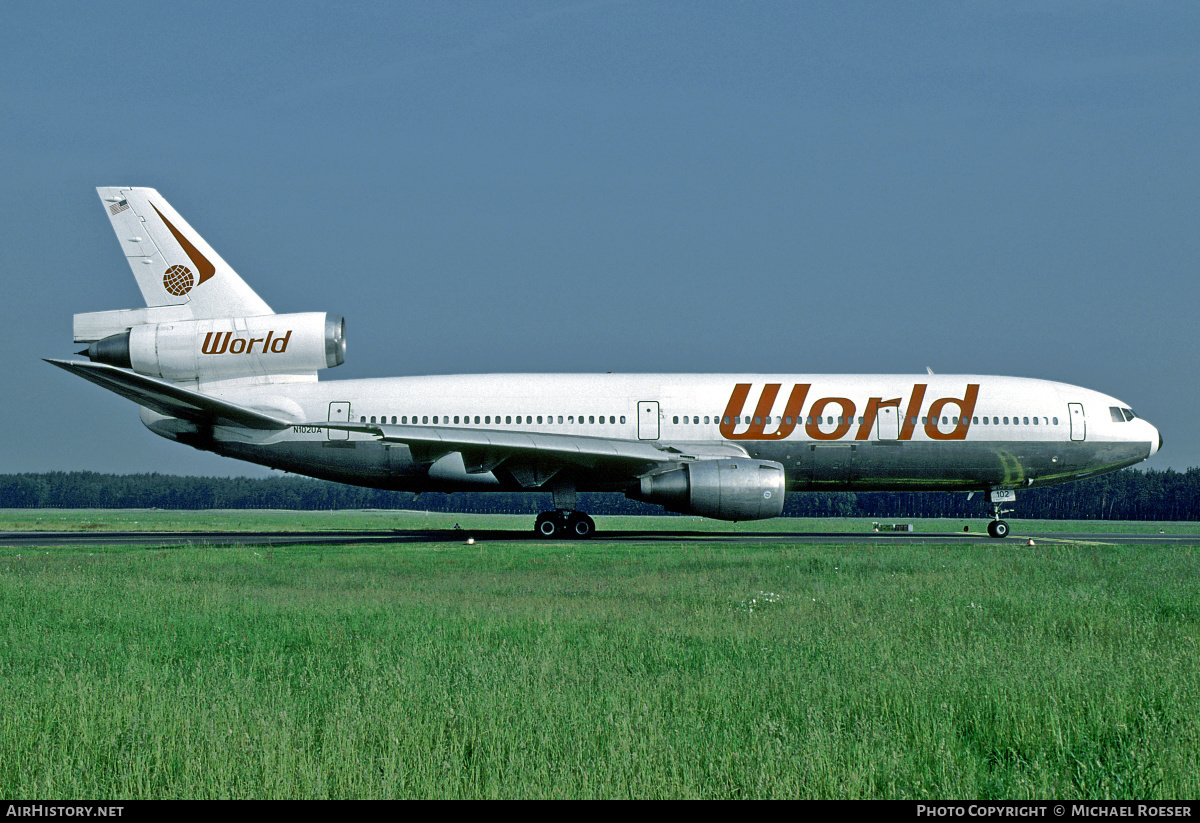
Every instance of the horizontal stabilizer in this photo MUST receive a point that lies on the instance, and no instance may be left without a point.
(171, 400)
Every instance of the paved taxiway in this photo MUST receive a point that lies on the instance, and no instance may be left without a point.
(336, 538)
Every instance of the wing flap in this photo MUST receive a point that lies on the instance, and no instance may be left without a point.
(171, 400)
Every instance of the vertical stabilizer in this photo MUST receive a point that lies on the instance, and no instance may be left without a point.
(173, 264)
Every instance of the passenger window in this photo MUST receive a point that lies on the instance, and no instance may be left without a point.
(591, 418)
(560, 418)
(1056, 421)
(508, 419)
(622, 418)
(976, 420)
(675, 419)
(539, 418)
(1006, 421)
(570, 418)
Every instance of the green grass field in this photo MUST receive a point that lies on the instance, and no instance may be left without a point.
(982, 669)
(85, 520)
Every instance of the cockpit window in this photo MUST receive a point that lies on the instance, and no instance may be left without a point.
(1116, 414)
(1129, 415)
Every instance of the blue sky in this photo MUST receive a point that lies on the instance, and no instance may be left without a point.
(996, 188)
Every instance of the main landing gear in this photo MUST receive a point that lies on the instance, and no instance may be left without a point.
(999, 528)
(564, 523)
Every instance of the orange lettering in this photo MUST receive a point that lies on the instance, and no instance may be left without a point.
(766, 401)
(966, 408)
(817, 410)
(914, 409)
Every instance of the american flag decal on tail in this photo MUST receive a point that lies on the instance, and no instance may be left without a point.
(117, 208)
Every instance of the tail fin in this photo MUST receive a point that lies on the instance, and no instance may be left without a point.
(171, 262)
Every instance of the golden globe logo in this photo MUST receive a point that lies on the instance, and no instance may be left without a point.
(178, 280)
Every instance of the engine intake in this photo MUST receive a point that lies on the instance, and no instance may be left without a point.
(726, 489)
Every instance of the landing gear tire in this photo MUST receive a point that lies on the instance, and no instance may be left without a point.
(548, 524)
(998, 528)
(581, 526)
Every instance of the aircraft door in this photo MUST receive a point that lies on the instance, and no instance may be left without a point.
(1078, 421)
(887, 423)
(648, 420)
(339, 413)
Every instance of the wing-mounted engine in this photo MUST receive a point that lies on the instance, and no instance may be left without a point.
(217, 348)
(726, 489)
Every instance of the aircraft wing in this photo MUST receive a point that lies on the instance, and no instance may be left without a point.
(532, 457)
(170, 399)
(485, 449)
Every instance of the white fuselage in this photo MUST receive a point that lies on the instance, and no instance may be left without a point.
(852, 431)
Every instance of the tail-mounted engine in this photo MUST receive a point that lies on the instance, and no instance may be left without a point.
(226, 347)
(726, 489)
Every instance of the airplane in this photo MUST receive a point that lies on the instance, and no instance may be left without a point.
(213, 367)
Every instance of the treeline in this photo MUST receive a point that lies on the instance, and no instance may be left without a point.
(1123, 495)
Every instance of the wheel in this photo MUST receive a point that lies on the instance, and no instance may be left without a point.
(580, 525)
(998, 528)
(547, 525)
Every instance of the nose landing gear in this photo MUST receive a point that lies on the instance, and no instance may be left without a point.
(998, 527)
